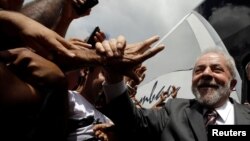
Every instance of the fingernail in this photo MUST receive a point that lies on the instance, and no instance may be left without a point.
(110, 54)
(157, 36)
(119, 45)
(72, 54)
(140, 79)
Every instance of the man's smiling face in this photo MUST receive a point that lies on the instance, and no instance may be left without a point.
(211, 82)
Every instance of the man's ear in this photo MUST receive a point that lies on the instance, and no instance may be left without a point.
(233, 84)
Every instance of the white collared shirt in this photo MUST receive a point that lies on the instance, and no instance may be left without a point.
(226, 114)
(79, 108)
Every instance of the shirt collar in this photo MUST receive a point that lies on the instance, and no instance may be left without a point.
(224, 110)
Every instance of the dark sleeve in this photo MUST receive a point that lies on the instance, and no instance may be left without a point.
(141, 122)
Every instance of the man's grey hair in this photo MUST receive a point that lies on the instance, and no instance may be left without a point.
(230, 63)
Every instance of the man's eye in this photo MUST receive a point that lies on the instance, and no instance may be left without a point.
(218, 69)
(198, 71)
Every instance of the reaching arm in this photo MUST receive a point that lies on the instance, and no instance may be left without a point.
(33, 34)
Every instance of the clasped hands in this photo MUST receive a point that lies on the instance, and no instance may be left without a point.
(120, 59)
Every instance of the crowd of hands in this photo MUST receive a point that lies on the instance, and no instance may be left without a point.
(33, 40)
(43, 55)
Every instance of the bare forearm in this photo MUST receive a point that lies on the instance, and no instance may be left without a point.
(45, 12)
(11, 23)
(83, 58)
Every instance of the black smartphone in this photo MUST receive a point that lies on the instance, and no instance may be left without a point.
(80, 9)
(91, 39)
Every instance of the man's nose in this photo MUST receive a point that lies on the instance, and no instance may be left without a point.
(207, 73)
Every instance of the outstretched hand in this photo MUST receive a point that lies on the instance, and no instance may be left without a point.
(140, 72)
(104, 132)
(44, 40)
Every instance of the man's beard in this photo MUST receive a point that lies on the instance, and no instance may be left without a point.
(212, 97)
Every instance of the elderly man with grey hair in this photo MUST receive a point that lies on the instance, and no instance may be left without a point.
(213, 79)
